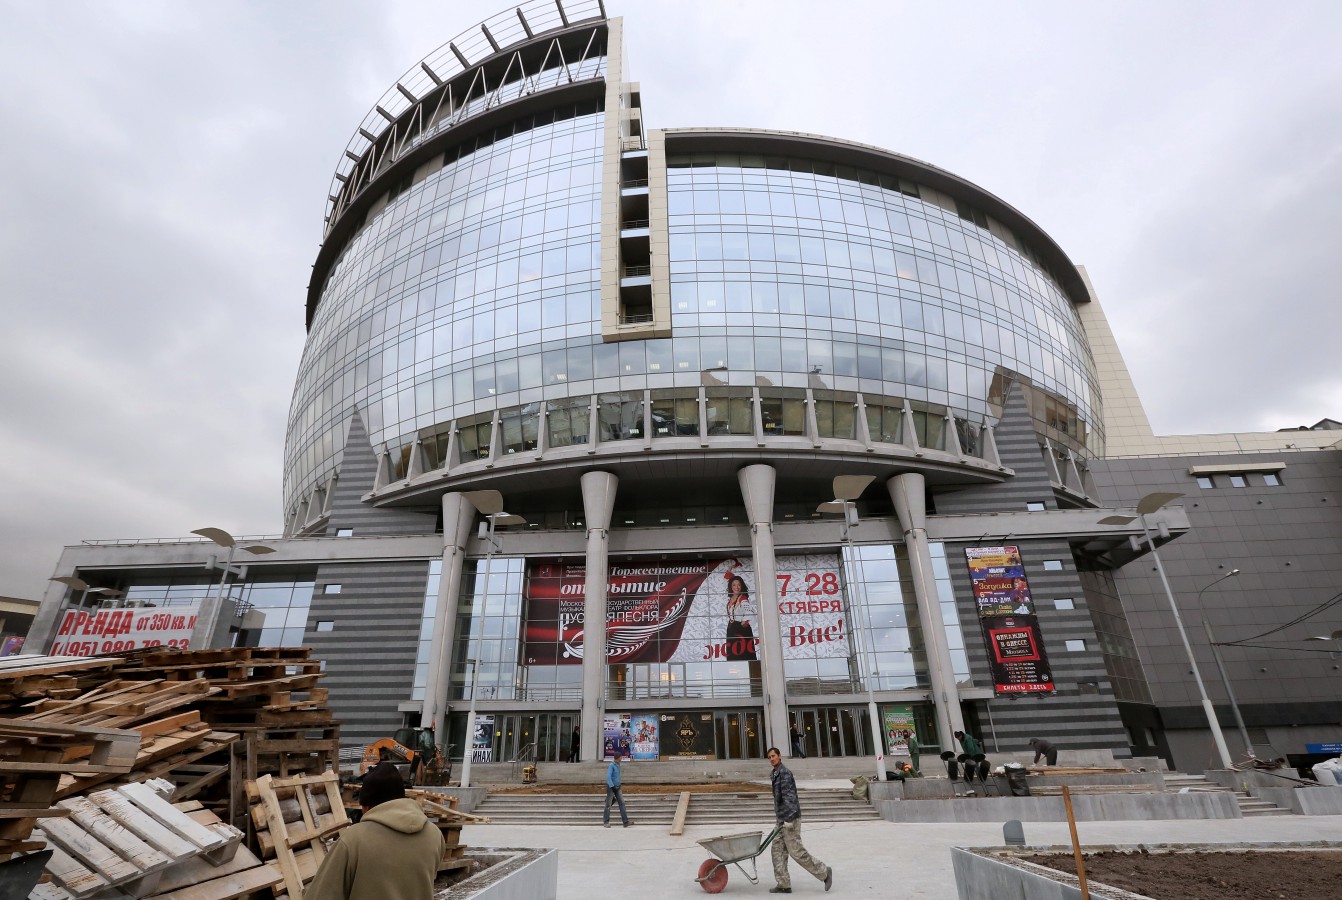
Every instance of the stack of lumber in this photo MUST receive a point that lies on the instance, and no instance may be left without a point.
(132, 839)
(267, 695)
(27, 678)
(442, 812)
(291, 817)
(34, 758)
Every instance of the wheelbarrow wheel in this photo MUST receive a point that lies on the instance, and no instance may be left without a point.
(714, 883)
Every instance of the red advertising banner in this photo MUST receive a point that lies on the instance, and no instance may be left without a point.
(684, 611)
(1016, 655)
(90, 632)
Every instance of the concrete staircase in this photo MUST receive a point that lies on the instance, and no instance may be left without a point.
(1248, 805)
(660, 809)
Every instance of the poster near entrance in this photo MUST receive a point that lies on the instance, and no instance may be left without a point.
(482, 742)
(645, 743)
(687, 735)
(1016, 655)
(899, 727)
(684, 610)
(616, 736)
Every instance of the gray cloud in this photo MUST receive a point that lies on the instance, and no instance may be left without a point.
(166, 165)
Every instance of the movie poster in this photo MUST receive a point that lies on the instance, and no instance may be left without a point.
(685, 611)
(482, 743)
(645, 743)
(899, 727)
(1006, 610)
(687, 735)
(12, 646)
(616, 735)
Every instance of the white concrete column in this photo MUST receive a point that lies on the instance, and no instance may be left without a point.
(458, 517)
(598, 501)
(908, 494)
(757, 489)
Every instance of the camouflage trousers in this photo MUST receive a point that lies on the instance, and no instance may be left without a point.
(788, 843)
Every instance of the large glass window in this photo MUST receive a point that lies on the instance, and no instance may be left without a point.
(783, 411)
(730, 411)
(836, 414)
(675, 412)
(620, 415)
(473, 437)
(568, 421)
(519, 428)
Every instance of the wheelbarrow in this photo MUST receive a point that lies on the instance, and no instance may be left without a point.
(732, 849)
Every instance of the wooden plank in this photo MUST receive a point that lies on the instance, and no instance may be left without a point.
(75, 878)
(107, 830)
(171, 723)
(91, 852)
(149, 829)
(49, 890)
(143, 796)
(199, 869)
(293, 882)
(682, 810)
(230, 886)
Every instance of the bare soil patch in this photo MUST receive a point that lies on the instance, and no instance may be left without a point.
(1217, 875)
(725, 787)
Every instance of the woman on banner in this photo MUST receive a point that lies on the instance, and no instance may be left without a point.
(740, 635)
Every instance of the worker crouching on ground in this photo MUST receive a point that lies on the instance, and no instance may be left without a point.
(787, 810)
(391, 854)
(1046, 750)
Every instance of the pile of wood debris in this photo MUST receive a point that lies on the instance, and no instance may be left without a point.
(176, 775)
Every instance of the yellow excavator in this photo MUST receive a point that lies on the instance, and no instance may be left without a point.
(412, 750)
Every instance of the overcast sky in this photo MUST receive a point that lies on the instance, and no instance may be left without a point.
(164, 168)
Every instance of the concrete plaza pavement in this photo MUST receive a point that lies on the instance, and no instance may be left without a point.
(869, 858)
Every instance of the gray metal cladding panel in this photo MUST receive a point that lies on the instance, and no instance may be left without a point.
(370, 651)
(1286, 540)
(1068, 717)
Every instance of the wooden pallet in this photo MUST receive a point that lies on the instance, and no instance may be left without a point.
(127, 838)
(292, 816)
(36, 746)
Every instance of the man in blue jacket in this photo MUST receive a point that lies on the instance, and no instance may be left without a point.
(787, 810)
(613, 792)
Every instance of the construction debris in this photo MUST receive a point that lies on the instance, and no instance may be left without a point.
(143, 775)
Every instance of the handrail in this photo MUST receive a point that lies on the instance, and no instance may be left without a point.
(527, 753)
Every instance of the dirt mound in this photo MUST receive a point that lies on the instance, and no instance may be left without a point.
(1198, 875)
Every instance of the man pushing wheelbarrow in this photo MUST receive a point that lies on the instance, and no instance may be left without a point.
(737, 848)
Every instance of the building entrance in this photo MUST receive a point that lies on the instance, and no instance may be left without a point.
(834, 730)
(550, 732)
(738, 734)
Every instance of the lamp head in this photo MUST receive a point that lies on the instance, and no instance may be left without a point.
(218, 535)
(1232, 572)
(71, 581)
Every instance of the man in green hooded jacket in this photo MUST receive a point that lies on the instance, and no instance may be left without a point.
(391, 854)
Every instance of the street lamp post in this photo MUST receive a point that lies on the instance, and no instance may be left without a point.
(1147, 505)
(847, 488)
(490, 504)
(207, 619)
(1220, 664)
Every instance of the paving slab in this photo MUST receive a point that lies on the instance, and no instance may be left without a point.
(869, 858)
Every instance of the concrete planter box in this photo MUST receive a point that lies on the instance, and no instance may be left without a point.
(1304, 801)
(511, 874)
(1085, 807)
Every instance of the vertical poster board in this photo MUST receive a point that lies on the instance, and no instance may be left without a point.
(687, 735)
(1006, 610)
(645, 737)
(898, 721)
(482, 742)
(616, 735)
(13, 645)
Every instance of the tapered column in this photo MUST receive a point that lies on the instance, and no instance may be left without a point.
(598, 501)
(908, 494)
(757, 489)
(458, 516)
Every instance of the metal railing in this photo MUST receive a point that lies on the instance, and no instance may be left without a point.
(635, 318)
(636, 271)
(634, 223)
(526, 754)
(635, 182)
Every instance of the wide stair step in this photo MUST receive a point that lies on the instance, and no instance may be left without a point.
(660, 809)
(1248, 805)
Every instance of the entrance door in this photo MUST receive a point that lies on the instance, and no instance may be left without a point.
(739, 734)
(834, 730)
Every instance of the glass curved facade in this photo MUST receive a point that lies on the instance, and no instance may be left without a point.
(432, 305)
(789, 267)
